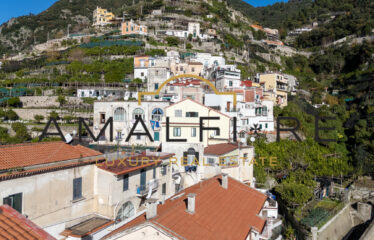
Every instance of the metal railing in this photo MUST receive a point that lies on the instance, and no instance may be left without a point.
(232, 109)
(144, 188)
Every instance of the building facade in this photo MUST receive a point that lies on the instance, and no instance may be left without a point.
(102, 17)
(130, 28)
(275, 86)
(124, 114)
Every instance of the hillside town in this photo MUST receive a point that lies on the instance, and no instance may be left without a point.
(180, 120)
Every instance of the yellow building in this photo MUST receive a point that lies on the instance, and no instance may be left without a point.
(102, 17)
(275, 87)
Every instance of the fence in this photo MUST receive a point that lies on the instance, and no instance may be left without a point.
(112, 43)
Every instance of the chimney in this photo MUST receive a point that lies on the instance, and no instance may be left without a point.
(225, 180)
(191, 203)
(151, 211)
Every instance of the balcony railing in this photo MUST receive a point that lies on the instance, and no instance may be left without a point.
(143, 190)
(232, 109)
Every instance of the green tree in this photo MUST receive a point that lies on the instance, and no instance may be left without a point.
(68, 118)
(21, 130)
(14, 102)
(61, 100)
(172, 41)
(11, 115)
(188, 46)
(54, 115)
(4, 136)
(38, 118)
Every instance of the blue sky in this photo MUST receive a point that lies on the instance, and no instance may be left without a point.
(260, 3)
(16, 8)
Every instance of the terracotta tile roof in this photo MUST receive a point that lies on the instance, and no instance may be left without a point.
(195, 63)
(133, 163)
(219, 149)
(29, 154)
(14, 225)
(219, 213)
(274, 42)
(256, 26)
(24, 173)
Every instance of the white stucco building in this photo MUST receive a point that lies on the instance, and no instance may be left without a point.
(124, 115)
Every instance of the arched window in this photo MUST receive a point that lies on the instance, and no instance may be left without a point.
(191, 154)
(157, 114)
(126, 211)
(138, 112)
(119, 114)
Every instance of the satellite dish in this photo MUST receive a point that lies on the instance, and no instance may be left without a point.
(252, 139)
(68, 138)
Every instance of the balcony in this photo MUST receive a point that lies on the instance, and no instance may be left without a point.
(282, 88)
(232, 109)
(142, 190)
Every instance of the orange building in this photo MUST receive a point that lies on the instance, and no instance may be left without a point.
(130, 27)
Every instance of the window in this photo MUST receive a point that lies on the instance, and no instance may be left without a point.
(266, 125)
(193, 132)
(192, 114)
(156, 136)
(157, 114)
(177, 132)
(126, 182)
(77, 188)
(211, 161)
(138, 112)
(164, 188)
(156, 86)
(193, 69)
(216, 132)
(119, 114)
(164, 169)
(126, 211)
(258, 111)
(142, 74)
(178, 113)
(119, 135)
(138, 137)
(192, 157)
(154, 173)
(102, 118)
(264, 111)
(15, 201)
(230, 83)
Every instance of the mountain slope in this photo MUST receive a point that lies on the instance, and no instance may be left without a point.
(19, 33)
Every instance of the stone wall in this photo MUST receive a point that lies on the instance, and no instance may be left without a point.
(47, 101)
(28, 114)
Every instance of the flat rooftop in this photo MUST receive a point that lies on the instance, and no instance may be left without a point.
(87, 227)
